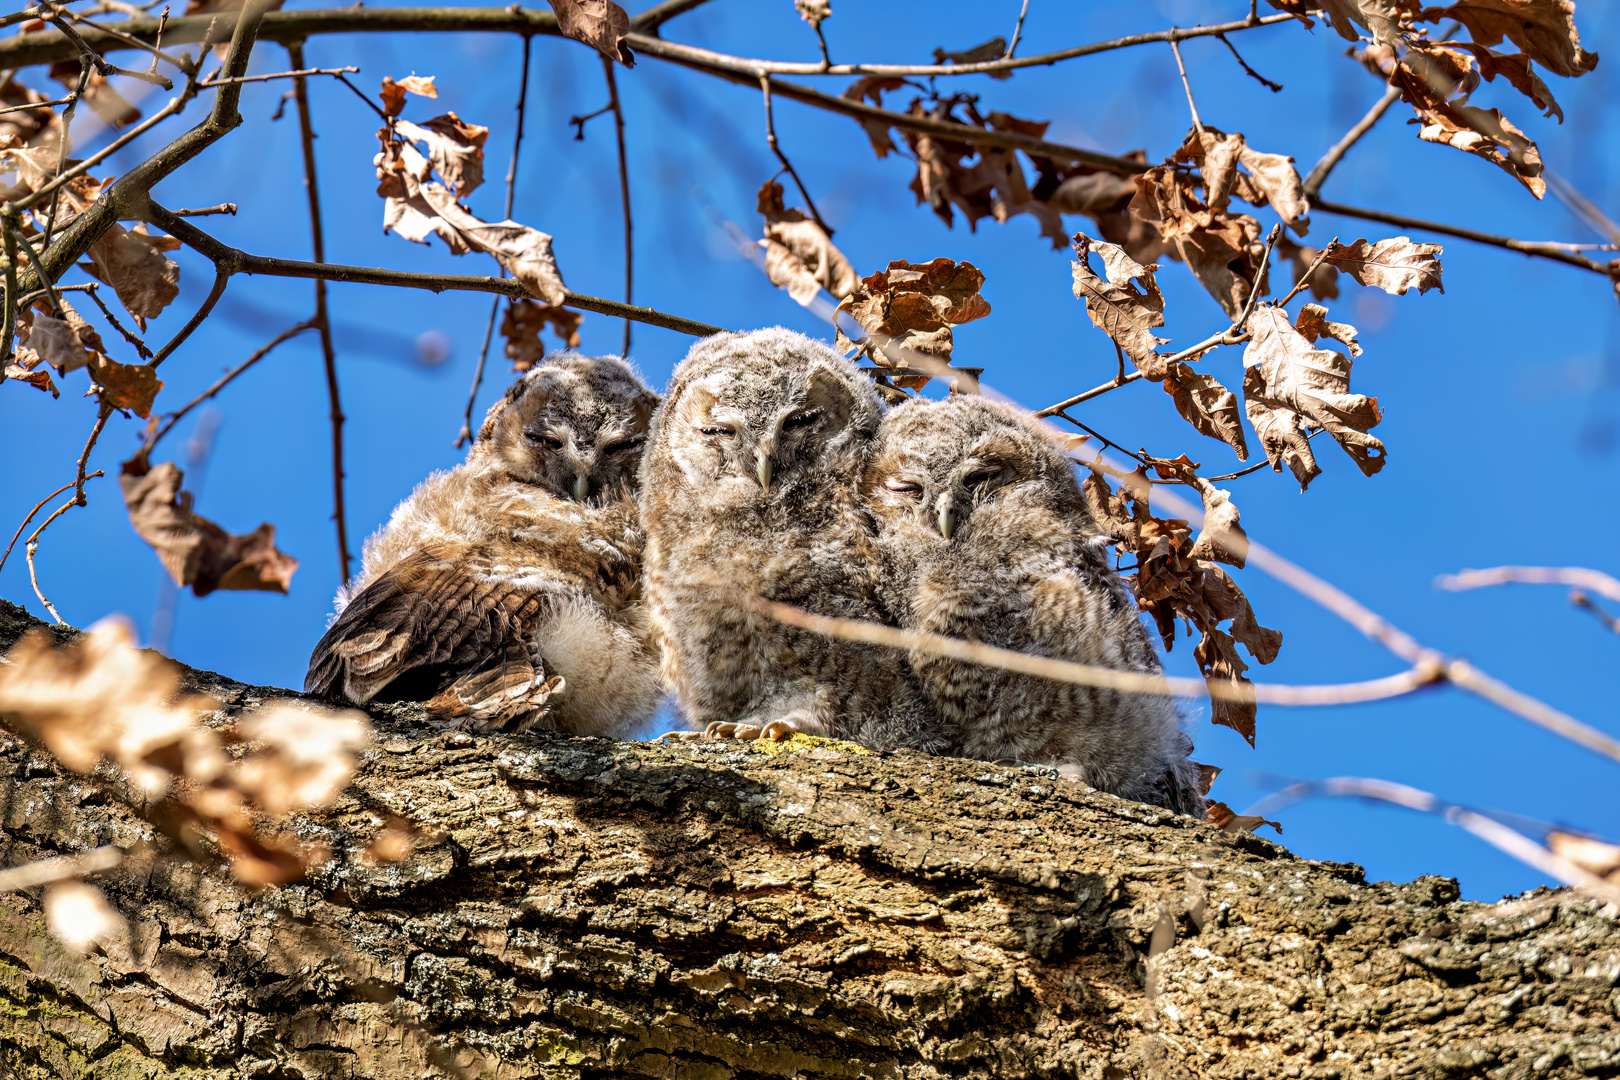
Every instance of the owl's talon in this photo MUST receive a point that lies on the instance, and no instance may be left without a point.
(680, 736)
(779, 730)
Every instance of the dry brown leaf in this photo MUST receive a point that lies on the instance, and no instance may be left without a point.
(34, 376)
(1115, 304)
(194, 550)
(393, 92)
(1312, 322)
(993, 186)
(601, 24)
(29, 127)
(1516, 69)
(134, 264)
(1394, 265)
(1297, 384)
(799, 256)
(1544, 30)
(1222, 250)
(106, 102)
(994, 49)
(455, 149)
(126, 386)
(1222, 538)
(79, 916)
(814, 12)
(1205, 403)
(1224, 817)
(308, 756)
(521, 326)
(1207, 775)
(871, 88)
(1488, 134)
(911, 307)
(67, 344)
(416, 207)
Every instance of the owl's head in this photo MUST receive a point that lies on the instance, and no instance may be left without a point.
(573, 426)
(758, 417)
(944, 471)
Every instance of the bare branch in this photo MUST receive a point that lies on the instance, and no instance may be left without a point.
(1095, 391)
(221, 279)
(1274, 87)
(321, 319)
(1124, 682)
(223, 208)
(1305, 278)
(1584, 602)
(93, 288)
(1319, 173)
(37, 508)
(1018, 31)
(61, 868)
(1578, 577)
(1527, 247)
(212, 82)
(624, 190)
(1198, 125)
(225, 379)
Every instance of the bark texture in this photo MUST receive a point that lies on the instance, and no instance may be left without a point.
(599, 908)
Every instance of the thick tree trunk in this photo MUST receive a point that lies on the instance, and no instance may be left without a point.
(600, 908)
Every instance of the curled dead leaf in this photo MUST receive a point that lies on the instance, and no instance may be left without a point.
(1394, 265)
(521, 326)
(1544, 30)
(1312, 322)
(393, 92)
(909, 309)
(601, 24)
(134, 264)
(125, 386)
(1225, 818)
(455, 149)
(34, 376)
(194, 550)
(67, 343)
(1117, 306)
(799, 256)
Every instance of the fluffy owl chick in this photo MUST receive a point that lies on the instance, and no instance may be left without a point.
(750, 486)
(506, 592)
(983, 534)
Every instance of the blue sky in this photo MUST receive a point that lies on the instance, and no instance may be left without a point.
(1501, 397)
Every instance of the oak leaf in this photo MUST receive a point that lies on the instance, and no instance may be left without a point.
(1115, 304)
(1222, 250)
(34, 375)
(799, 256)
(601, 24)
(67, 343)
(521, 326)
(910, 308)
(194, 550)
(455, 149)
(1205, 403)
(1394, 265)
(134, 264)
(1298, 384)
(1544, 30)
(393, 92)
(1312, 322)
(126, 386)
(871, 88)
(1224, 817)
(1324, 283)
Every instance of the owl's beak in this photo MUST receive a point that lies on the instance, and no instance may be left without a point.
(582, 487)
(947, 517)
(765, 468)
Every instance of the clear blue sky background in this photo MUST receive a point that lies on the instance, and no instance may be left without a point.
(1501, 397)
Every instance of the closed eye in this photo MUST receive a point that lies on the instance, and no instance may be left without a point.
(716, 432)
(980, 477)
(624, 444)
(904, 487)
(546, 438)
(801, 420)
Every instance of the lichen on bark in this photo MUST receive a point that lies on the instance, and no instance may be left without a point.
(599, 908)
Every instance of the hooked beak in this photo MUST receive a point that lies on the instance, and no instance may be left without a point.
(947, 518)
(765, 469)
(582, 487)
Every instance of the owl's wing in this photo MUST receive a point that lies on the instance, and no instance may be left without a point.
(441, 625)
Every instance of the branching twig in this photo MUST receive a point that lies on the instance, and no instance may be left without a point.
(1198, 125)
(1584, 602)
(624, 190)
(37, 508)
(321, 319)
(221, 279)
(223, 208)
(770, 137)
(1018, 31)
(1305, 278)
(1254, 290)
(140, 345)
(466, 433)
(1319, 173)
(225, 379)
(214, 81)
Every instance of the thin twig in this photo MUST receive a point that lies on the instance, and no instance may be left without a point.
(37, 508)
(1319, 173)
(1198, 125)
(31, 546)
(8, 322)
(64, 144)
(770, 137)
(1124, 682)
(363, 96)
(466, 434)
(221, 279)
(210, 83)
(136, 43)
(821, 40)
(170, 108)
(1259, 275)
(107, 313)
(1274, 87)
(234, 261)
(624, 193)
(1584, 602)
(61, 868)
(323, 323)
(223, 208)
(38, 105)
(1095, 391)
(1305, 278)
(1527, 247)
(225, 379)
(1105, 440)
(1578, 577)
(13, 224)
(1018, 31)
(1490, 830)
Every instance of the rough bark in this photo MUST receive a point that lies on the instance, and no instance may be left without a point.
(600, 908)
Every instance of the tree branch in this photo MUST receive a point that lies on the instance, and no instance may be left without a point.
(1319, 173)
(624, 193)
(1526, 247)
(1578, 577)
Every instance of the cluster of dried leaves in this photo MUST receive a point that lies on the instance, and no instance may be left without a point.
(211, 792)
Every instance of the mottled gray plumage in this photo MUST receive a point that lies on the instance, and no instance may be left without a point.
(506, 592)
(749, 486)
(983, 534)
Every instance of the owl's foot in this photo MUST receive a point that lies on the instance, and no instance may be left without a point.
(745, 732)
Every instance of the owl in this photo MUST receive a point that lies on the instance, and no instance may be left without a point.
(750, 487)
(506, 592)
(982, 534)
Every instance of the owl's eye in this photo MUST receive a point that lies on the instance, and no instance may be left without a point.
(801, 420)
(904, 487)
(548, 440)
(980, 477)
(716, 432)
(624, 444)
